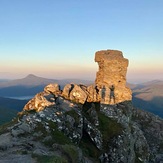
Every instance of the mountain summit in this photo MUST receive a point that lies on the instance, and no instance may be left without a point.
(31, 76)
(95, 123)
(28, 81)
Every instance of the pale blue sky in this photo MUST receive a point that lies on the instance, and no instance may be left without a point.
(58, 38)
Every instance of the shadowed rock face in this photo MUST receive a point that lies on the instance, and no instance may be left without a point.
(112, 71)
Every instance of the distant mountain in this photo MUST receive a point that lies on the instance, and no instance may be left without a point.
(31, 84)
(148, 91)
(29, 81)
(153, 82)
(33, 80)
(4, 80)
(149, 96)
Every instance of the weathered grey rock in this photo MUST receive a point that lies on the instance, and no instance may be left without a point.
(94, 134)
(13, 158)
(21, 129)
(5, 141)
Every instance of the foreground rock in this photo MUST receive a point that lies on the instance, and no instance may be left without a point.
(67, 131)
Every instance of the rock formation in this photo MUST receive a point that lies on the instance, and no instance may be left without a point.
(78, 124)
(112, 72)
(44, 99)
(52, 88)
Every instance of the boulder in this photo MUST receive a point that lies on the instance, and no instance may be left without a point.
(52, 88)
(75, 93)
(23, 128)
(111, 77)
(38, 103)
(79, 94)
(66, 90)
(93, 93)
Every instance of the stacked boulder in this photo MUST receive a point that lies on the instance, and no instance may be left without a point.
(111, 77)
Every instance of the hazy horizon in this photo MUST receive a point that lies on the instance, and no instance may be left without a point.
(130, 80)
(58, 39)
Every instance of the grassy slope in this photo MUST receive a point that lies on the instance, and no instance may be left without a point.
(7, 115)
(9, 108)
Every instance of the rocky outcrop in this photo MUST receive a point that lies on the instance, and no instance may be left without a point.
(44, 99)
(80, 93)
(39, 102)
(78, 124)
(109, 133)
(53, 88)
(112, 72)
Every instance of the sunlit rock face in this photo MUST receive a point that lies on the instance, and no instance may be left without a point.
(76, 93)
(53, 88)
(39, 102)
(111, 77)
(44, 99)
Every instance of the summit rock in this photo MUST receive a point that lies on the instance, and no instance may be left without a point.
(112, 73)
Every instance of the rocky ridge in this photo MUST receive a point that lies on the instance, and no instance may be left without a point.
(76, 125)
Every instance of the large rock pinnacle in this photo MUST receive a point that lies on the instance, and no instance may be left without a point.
(111, 77)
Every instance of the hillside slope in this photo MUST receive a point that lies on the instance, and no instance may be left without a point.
(149, 96)
(29, 80)
(9, 108)
(6, 115)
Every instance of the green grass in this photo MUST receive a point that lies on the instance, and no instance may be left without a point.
(57, 136)
(73, 114)
(3, 128)
(6, 115)
(109, 129)
(49, 159)
(67, 153)
(71, 153)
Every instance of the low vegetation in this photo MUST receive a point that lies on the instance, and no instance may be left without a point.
(88, 148)
(49, 159)
(7, 114)
(109, 129)
(3, 128)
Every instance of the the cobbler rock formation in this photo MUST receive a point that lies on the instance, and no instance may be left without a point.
(78, 124)
(112, 72)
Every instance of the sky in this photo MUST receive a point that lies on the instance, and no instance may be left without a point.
(58, 38)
